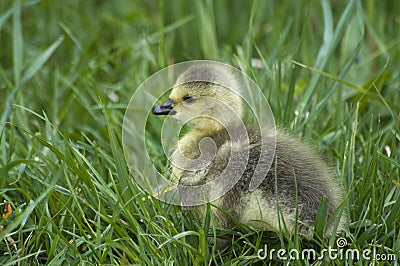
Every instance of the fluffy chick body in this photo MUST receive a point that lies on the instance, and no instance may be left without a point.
(293, 186)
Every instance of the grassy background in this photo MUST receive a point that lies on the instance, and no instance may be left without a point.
(330, 70)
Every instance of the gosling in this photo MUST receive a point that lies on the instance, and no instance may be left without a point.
(292, 187)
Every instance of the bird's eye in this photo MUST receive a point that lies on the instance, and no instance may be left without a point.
(188, 99)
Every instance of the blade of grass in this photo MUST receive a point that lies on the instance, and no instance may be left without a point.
(320, 220)
(207, 29)
(118, 155)
(18, 43)
(41, 59)
(331, 40)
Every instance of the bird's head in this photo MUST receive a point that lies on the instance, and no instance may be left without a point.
(206, 96)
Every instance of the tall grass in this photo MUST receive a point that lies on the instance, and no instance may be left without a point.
(330, 70)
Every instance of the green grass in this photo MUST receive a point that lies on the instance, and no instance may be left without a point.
(330, 70)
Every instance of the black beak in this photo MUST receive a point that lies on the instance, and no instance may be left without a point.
(164, 109)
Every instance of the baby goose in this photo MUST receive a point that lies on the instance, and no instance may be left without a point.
(296, 180)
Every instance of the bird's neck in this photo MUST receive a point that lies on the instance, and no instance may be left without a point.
(189, 143)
